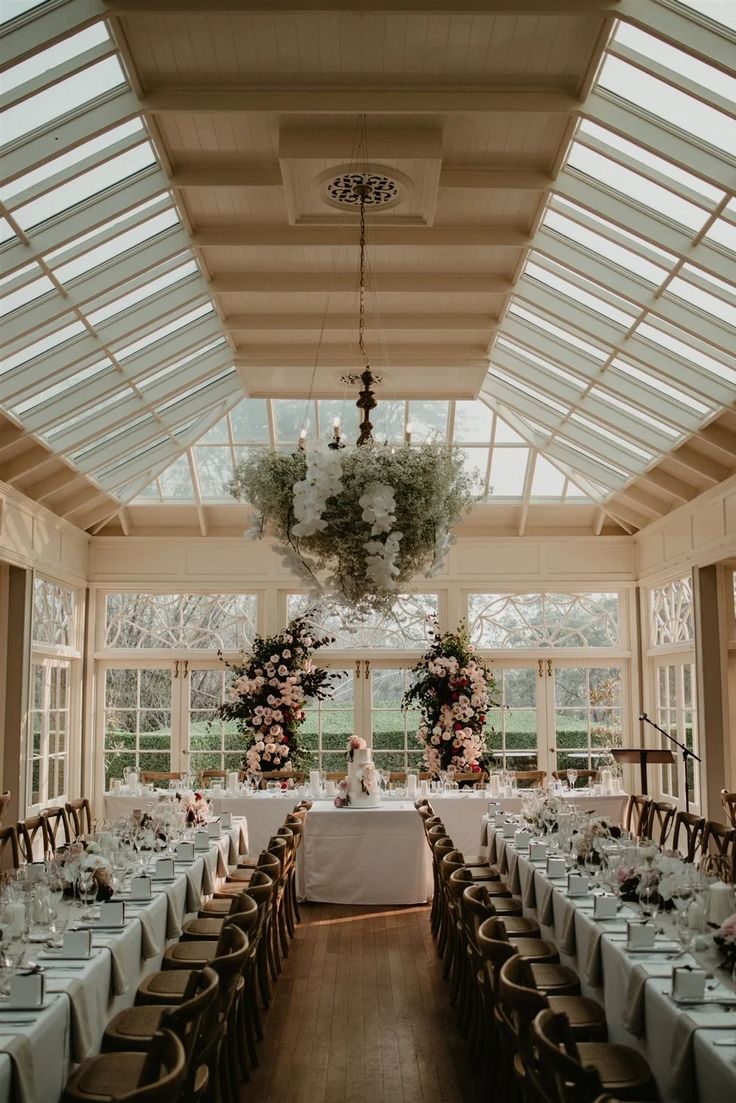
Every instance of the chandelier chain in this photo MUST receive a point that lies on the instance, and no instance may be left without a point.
(361, 309)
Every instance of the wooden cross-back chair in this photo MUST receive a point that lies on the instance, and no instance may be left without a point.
(79, 813)
(719, 850)
(728, 800)
(160, 775)
(687, 837)
(9, 852)
(58, 832)
(33, 841)
(154, 1076)
(530, 778)
(4, 802)
(297, 776)
(661, 821)
(636, 820)
(590, 777)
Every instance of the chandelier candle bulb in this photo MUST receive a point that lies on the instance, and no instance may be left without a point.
(407, 433)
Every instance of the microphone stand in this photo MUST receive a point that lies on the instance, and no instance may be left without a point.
(686, 752)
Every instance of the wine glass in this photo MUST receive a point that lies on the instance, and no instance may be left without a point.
(87, 889)
(649, 900)
(572, 777)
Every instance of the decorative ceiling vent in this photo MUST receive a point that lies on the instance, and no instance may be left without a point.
(376, 188)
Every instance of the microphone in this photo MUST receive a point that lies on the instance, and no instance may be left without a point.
(644, 716)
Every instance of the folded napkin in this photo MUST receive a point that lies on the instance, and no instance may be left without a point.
(514, 879)
(83, 1015)
(545, 905)
(484, 835)
(492, 848)
(529, 896)
(222, 870)
(196, 887)
(633, 1017)
(591, 966)
(18, 1048)
(118, 983)
(149, 943)
(566, 942)
(503, 865)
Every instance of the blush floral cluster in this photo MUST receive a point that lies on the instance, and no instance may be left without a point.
(453, 688)
(268, 693)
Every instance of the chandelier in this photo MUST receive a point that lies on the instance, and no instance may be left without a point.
(356, 523)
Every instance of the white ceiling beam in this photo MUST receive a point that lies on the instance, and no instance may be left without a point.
(378, 282)
(30, 459)
(285, 323)
(703, 466)
(643, 500)
(510, 179)
(719, 437)
(237, 234)
(375, 99)
(678, 488)
(622, 511)
(348, 357)
(248, 174)
(364, 7)
(41, 488)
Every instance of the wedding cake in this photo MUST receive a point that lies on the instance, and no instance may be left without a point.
(363, 788)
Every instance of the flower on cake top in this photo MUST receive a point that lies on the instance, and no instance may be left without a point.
(355, 743)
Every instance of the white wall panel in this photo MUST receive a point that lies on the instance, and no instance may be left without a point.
(31, 536)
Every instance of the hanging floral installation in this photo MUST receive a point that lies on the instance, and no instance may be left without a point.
(357, 523)
(269, 690)
(453, 688)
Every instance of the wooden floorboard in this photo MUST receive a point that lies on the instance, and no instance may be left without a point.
(360, 1014)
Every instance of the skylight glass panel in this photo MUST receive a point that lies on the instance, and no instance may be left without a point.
(723, 233)
(711, 304)
(249, 420)
(99, 234)
(603, 246)
(472, 422)
(687, 352)
(147, 291)
(176, 481)
(11, 9)
(41, 62)
(291, 416)
(633, 412)
(564, 335)
(72, 157)
(508, 472)
(428, 419)
(6, 231)
(21, 296)
(572, 490)
(578, 295)
(214, 471)
(170, 369)
(720, 11)
(634, 186)
(662, 53)
(649, 160)
(615, 232)
(620, 442)
(658, 384)
(476, 465)
(530, 357)
(547, 481)
(346, 410)
(218, 434)
(149, 492)
(64, 386)
(67, 95)
(504, 434)
(164, 331)
(86, 185)
(672, 105)
(45, 344)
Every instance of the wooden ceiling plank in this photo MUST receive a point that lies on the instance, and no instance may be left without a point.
(453, 283)
(286, 323)
(238, 234)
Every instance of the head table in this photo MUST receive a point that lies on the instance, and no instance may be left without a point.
(37, 1048)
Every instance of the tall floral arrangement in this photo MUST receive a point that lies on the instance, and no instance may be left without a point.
(357, 523)
(453, 688)
(269, 690)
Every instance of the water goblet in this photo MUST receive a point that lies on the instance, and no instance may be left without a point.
(87, 889)
(572, 777)
(649, 900)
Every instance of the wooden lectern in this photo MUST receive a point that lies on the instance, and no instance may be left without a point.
(644, 755)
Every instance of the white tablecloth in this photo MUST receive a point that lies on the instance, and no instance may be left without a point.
(687, 1066)
(366, 855)
(63, 1034)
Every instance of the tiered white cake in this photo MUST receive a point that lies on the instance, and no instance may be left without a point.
(361, 776)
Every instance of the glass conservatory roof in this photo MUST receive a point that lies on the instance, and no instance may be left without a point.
(618, 342)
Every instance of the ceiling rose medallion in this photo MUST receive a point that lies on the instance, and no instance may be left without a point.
(356, 523)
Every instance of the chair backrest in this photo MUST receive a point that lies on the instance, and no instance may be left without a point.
(528, 778)
(4, 802)
(661, 821)
(728, 800)
(163, 1071)
(33, 839)
(636, 819)
(591, 777)
(57, 828)
(229, 962)
(687, 837)
(185, 1018)
(297, 776)
(559, 1058)
(245, 913)
(335, 775)
(160, 775)
(520, 1002)
(719, 849)
(9, 851)
(207, 774)
(79, 812)
(470, 779)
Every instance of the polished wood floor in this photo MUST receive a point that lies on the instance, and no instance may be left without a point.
(361, 1015)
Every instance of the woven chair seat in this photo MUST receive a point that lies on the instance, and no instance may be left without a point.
(554, 980)
(228, 890)
(586, 1017)
(215, 909)
(189, 955)
(209, 928)
(244, 862)
(166, 986)
(623, 1071)
(109, 1075)
(133, 1028)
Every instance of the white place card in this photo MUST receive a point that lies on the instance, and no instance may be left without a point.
(27, 990)
(605, 906)
(140, 888)
(508, 830)
(36, 871)
(201, 840)
(185, 852)
(556, 866)
(521, 839)
(163, 869)
(640, 935)
(577, 884)
(226, 819)
(76, 944)
(213, 829)
(688, 982)
(538, 850)
(112, 913)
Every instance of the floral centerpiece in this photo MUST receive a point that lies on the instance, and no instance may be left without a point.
(663, 873)
(196, 808)
(268, 692)
(357, 523)
(590, 837)
(542, 810)
(154, 828)
(453, 687)
(77, 857)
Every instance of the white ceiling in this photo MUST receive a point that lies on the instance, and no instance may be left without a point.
(562, 246)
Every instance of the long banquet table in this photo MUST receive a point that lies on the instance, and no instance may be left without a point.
(83, 996)
(684, 1047)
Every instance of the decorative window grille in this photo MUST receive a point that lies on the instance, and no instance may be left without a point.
(513, 621)
(170, 621)
(672, 613)
(53, 614)
(406, 627)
